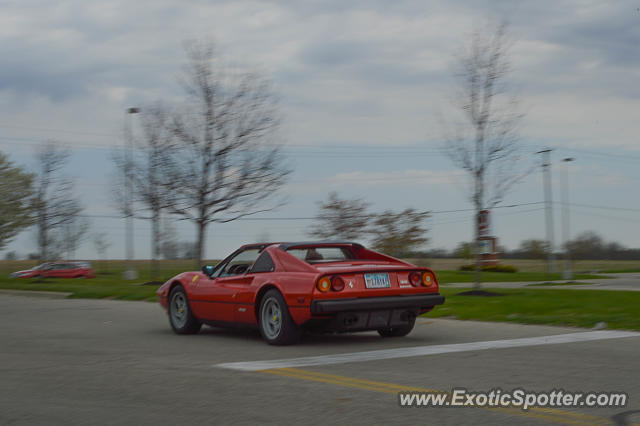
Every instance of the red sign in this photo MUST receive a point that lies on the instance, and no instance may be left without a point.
(484, 228)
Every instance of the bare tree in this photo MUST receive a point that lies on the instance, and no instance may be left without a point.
(68, 236)
(399, 233)
(340, 218)
(146, 167)
(484, 138)
(226, 163)
(54, 203)
(102, 244)
(169, 244)
(16, 189)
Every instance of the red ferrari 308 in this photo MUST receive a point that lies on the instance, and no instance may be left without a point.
(284, 288)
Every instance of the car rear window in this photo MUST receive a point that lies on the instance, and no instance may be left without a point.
(321, 254)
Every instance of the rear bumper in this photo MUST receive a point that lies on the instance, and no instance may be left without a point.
(376, 303)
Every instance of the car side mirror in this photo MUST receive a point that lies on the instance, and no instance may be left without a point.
(207, 270)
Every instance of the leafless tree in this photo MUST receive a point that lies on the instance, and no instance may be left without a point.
(227, 165)
(15, 192)
(67, 238)
(102, 244)
(340, 218)
(399, 233)
(483, 138)
(54, 204)
(169, 244)
(147, 167)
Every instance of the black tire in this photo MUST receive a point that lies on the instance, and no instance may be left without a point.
(399, 331)
(281, 329)
(180, 317)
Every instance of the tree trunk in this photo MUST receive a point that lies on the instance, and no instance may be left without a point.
(42, 238)
(155, 246)
(477, 270)
(202, 227)
(479, 201)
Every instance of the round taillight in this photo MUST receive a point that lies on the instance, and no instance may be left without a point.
(324, 284)
(414, 278)
(337, 283)
(427, 279)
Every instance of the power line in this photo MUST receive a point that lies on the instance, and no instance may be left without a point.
(603, 154)
(315, 217)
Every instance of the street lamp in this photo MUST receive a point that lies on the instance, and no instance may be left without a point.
(130, 273)
(568, 273)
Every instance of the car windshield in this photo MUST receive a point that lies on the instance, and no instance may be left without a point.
(44, 265)
(321, 254)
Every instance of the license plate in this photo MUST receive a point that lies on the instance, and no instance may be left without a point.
(378, 280)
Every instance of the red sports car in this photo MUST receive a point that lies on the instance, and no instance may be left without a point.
(283, 288)
(57, 270)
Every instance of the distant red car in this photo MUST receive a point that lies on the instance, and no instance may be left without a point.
(57, 270)
(283, 288)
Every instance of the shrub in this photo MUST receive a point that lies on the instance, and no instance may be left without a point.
(491, 268)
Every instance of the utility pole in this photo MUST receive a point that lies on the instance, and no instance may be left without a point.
(548, 201)
(568, 273)
(130, 273)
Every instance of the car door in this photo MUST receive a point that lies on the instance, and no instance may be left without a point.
(217, 298)
(54, 271)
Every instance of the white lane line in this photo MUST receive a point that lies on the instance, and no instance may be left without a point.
(426, 350)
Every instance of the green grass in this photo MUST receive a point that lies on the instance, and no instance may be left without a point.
(575, 308)
(619, 271)
(539, 265)
(108, 283)
(579, 308)
(446, 277)
(555, 284)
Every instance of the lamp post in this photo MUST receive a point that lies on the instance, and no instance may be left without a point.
(548, 201)
(568, 273)
(130, 273)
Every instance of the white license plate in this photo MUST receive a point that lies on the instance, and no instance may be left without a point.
(377, 280)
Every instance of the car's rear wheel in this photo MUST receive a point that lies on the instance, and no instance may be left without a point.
(398, 331)
(276, 325)
(180, 317)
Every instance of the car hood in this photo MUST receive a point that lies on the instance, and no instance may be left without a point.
(25, 271)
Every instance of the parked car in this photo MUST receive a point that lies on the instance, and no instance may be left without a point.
(57, 270)
(284, 288)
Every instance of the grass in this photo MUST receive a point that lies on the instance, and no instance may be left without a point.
(574, 308)
(107, 284)
(619, 309)
(555, 284)
(530, 265)
(447, 277)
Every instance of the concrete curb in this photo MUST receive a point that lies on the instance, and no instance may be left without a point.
(41, 294)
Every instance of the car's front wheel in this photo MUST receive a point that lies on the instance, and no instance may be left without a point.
(399, 331)
(180, 316)
(276, 325)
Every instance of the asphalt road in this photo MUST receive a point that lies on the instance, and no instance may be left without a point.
(65, 361)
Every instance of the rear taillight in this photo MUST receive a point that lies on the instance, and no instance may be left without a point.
(334, 283)
(415, 279)
(337, 283)
(324, 284)
(428, 279)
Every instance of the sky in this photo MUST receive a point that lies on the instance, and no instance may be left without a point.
(361, 85)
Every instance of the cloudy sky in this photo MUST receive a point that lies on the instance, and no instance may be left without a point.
(361, 84)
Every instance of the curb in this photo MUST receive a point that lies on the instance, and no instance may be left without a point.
(40, 294)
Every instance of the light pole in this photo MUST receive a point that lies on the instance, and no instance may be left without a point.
(568, 273)
(130, 273)
(546, 168)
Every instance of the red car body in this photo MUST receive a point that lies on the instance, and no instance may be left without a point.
(57, 270)
(357, 290)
